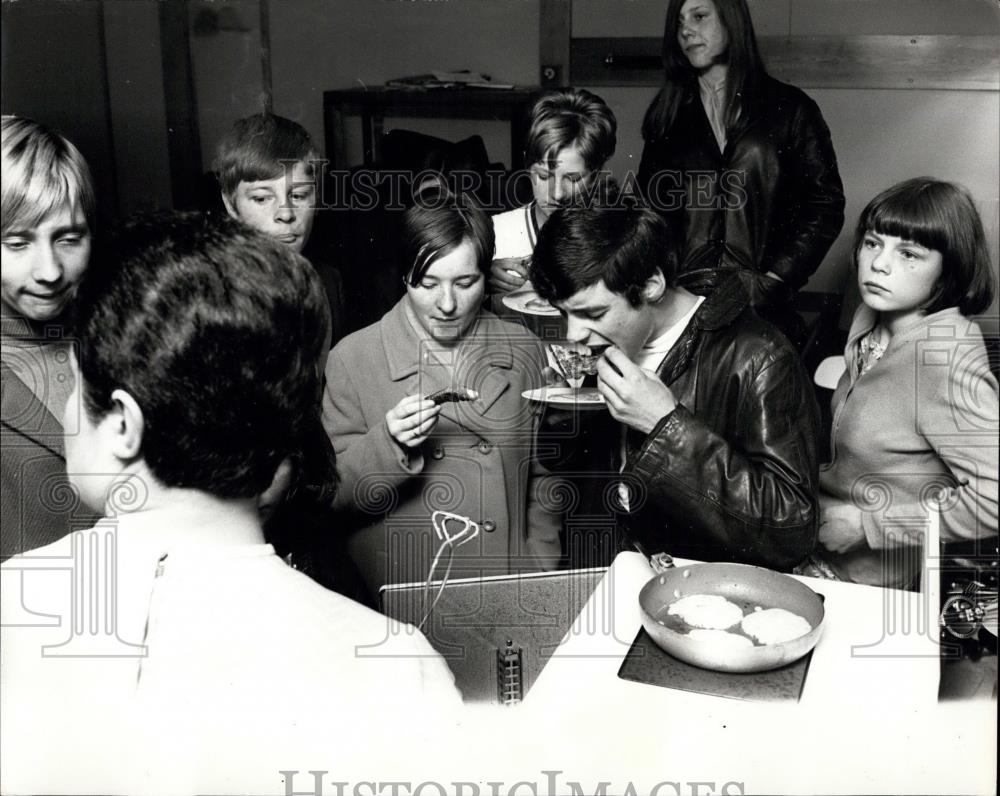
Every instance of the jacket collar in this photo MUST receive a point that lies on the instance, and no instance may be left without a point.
(408, 354)
(751, 111)
(22, 413)
(725, 299)
(865, 319)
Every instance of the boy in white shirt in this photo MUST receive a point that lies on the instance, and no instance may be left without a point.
(571, 135)
(183, 647)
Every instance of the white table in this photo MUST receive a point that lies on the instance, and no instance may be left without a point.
(868, 719)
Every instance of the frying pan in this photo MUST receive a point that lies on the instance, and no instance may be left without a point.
(745, 585)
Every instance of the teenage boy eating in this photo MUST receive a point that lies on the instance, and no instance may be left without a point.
(712, 424)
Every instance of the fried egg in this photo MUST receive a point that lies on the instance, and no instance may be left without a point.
(775, 626)
(708, 611)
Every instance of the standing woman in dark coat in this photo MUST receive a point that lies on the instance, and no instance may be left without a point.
(741, 166)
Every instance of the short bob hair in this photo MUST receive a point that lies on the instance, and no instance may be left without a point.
(42, 172)
(574, 117)
(941, 216)
(216, 331)
(437, 224)
(621, 246)
(261, 147)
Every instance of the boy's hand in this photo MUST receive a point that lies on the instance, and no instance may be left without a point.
(508, 274)
(634, 396)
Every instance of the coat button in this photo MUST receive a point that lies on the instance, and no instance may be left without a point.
(438, 452)
(489, 526)
(485, 448)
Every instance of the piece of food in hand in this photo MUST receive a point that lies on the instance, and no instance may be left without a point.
(453, 396)
(709, 611)
(775, 625)
(575, 364)
(723, 640)
(537, 304)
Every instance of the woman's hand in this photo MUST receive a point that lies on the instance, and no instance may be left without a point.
(840, 528)
(412, 420)
(508, 273)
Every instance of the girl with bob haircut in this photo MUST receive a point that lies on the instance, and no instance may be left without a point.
(425, 413)
(915, 414)
(438, 223)
(571, 136)
(574, 117)
(739, 164)
(48, 212)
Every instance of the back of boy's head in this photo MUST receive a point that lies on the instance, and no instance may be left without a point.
(262, 147)
(41, 172)
(942, 216)
(621, 245)
(216, 331)
(574, 117)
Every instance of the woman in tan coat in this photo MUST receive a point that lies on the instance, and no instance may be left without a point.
(401, 455)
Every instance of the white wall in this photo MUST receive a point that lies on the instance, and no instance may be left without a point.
(595, 18)
(226, 66)
(881, 136)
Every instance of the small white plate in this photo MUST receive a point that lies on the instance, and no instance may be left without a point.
(528, 302)
(586, 398)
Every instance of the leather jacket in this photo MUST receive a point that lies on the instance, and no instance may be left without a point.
(771, 201)
(732, 473)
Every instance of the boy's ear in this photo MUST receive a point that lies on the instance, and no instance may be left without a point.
(230, 207)
(654, 288)
(125, 426)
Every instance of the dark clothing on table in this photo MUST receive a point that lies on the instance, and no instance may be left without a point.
(771, 201)
(731, 474)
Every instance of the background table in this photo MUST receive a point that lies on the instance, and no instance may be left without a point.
(374, 104)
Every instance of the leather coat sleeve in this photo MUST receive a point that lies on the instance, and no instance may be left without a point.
(813, 212)
(756, 497)
(662, 187)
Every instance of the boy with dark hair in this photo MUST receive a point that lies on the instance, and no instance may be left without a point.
(716, 434)
(266, 166)
(267, 171)
(196, 378)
